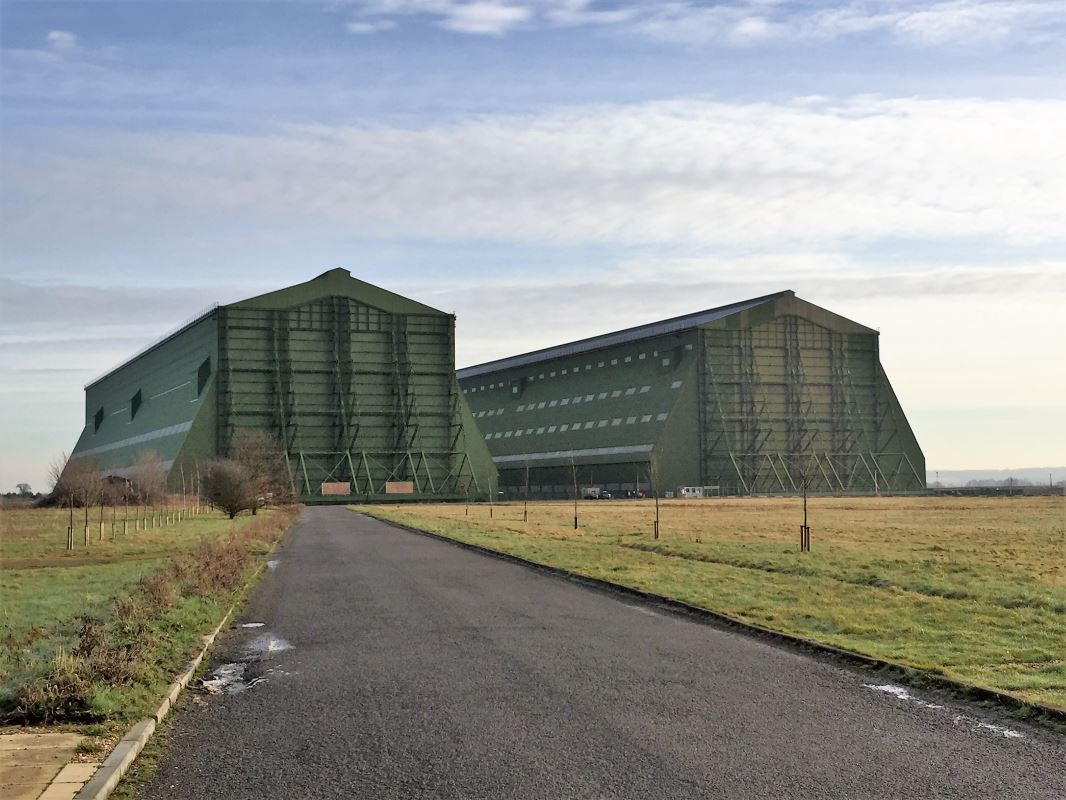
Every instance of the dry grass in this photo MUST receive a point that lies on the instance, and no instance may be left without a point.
(107, 655)
(36, 537)
(971, 588)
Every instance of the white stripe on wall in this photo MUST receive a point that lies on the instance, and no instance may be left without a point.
(161, 433)
(591, 451)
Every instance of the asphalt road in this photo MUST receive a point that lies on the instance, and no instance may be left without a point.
(419, 669)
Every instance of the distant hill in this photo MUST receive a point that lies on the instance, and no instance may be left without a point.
(960, 477)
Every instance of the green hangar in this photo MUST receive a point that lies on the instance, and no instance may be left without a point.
(356, 383)
(759, 397)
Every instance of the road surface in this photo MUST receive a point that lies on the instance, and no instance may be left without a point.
(391, 665)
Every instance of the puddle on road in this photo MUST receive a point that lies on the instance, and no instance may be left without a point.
(901, 693)
(229, 679)
(268, 643)
(999, 730)
(273, 564)
(233, 678)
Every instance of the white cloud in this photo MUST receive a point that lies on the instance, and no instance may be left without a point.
(930, 23)
(485, 17)
(62, 41)
(586, 12)
(375, 26)
(941, 22)
(692, 172)
(479, 17)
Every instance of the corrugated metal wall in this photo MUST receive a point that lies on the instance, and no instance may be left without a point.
(763, 400)
(355, 393)
(604, 410)
(789, 402)
(150, 403)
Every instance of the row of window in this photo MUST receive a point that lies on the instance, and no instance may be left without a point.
(588, 398)
(576, 426)
(202, 376)
(666, 360)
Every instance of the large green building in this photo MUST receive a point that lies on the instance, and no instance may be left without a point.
(356, 383)
(758, 397)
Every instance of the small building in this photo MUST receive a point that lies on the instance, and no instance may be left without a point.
(356, 383)
(761, 396)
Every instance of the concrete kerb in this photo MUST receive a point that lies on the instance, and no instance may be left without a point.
(1034, 712)
(103, 783)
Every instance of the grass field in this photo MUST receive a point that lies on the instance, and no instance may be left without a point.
(123, 584)
(974, 589)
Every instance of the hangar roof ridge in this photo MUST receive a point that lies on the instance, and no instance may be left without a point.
(336, 279)
(337, 282)
(636, 333)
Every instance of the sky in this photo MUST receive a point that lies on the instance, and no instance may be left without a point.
(546, 170)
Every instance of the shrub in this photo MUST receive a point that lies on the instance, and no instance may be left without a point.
(104, 658)
(62, 693)
(264, 462)
(227, 486)
(159, 590)
(129, 609)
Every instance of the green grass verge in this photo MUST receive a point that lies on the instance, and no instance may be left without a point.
(972, 591)
(98, 635)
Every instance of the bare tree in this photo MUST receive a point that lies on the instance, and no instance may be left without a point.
(82, 482)
(264, 463)
(55, 469)
(60, 492)
(111, 493)
(149, 482)
(24, 489)
(150, 477)
(227, 486)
